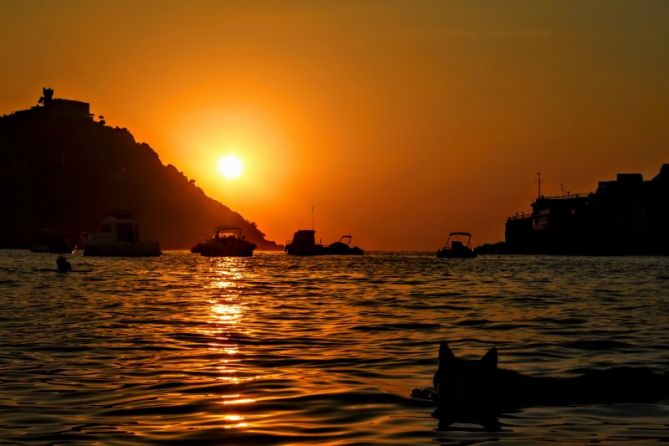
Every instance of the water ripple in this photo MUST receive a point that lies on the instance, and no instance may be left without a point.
(271, 349)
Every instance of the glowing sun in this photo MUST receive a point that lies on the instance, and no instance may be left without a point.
(230, 166)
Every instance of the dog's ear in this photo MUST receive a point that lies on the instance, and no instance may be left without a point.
(489, 360)
(446, 356)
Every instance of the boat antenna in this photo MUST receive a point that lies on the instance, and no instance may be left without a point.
(313, 227)
(538, 185)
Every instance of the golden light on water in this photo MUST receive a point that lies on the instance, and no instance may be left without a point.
(239, 401)
(237, 419)
(225, 316)
(230, 166)
(227, 313)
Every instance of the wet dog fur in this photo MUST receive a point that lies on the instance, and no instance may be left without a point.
(479, 389)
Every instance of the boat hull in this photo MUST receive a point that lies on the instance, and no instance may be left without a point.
(225, 248)
(343, 249)
(226, 254)
(129, 249)
(450, 254)
(320, 250)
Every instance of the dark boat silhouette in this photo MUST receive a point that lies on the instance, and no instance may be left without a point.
(304, 244)
(456, 248)
(52, 241)
(343, 247)
(226, 242)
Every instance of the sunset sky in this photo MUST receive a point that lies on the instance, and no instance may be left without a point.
(398, 120)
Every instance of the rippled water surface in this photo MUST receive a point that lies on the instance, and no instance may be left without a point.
(272, 349)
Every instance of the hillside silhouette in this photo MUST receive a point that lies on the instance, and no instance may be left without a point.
(61, 169)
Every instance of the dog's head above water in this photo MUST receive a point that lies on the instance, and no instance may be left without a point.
(465, 385)
(467, 389)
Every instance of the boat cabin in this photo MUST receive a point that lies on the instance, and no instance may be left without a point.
(222, 232)
(117, 229)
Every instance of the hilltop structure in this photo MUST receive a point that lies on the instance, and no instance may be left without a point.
(63, 170)
(65, 107)
(626, 216)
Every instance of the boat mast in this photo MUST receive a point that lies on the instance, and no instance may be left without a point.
(538, 185)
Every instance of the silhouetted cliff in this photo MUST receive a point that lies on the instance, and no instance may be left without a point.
(61, 169)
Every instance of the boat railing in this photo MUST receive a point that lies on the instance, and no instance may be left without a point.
(520, 216)
(564, 196)
(346, 239)
(456, 237)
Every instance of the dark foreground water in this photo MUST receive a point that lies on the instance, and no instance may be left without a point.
(278, 350)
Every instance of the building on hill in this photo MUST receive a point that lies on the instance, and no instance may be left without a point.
(57, 107)
(71, 108)
(66, 107)
(625, 216)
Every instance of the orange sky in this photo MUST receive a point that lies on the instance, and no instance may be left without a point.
(398, 120)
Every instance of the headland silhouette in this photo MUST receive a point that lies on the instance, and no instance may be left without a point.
(63, 170)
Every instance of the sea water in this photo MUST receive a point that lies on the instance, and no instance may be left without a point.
(182, 349)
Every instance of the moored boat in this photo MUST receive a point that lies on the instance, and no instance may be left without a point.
(304, 244)
(343, 247)
(226, 242)
(118, 236)
(52, 241)
(457, 246)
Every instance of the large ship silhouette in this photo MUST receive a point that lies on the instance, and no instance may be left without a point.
(626, 216)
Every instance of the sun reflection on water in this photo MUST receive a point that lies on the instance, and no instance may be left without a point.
(236, 421)
(239, 401)
(226, 314)
(228, 272)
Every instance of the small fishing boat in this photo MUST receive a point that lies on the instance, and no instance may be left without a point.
(226, 242)
(118, 236)
(304, 244)
(343, 247)
(457, 246)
